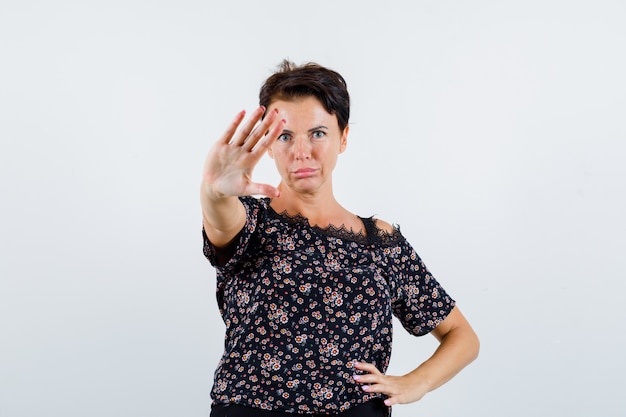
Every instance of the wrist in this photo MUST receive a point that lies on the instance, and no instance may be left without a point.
(420, 382)
(211, 193)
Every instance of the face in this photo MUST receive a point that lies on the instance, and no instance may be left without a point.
(306, 152)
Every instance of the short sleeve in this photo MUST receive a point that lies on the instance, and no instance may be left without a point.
(418, 300)
(253, 206)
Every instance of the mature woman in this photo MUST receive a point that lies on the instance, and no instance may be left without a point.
(306, 288)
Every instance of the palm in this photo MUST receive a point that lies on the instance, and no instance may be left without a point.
(231, 160)
(229, 169)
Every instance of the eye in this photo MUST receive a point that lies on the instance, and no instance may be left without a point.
(284, 137)
(318, 134)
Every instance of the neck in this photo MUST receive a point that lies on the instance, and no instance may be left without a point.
(318, 207)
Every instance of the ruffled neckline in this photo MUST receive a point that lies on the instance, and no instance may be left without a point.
(370, 234)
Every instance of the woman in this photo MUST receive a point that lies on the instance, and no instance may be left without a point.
(306, 288)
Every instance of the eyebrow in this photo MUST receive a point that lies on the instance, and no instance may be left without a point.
(313, 129)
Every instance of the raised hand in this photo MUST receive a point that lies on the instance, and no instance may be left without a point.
(228, 166)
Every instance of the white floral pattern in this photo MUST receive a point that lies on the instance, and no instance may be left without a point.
(301, 304)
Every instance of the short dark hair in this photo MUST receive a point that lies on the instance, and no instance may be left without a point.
(293, 81)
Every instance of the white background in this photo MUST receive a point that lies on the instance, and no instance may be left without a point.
(493, 132)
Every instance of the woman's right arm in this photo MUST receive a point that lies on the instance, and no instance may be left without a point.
(227, 174)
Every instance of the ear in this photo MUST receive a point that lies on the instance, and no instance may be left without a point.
(344, 139)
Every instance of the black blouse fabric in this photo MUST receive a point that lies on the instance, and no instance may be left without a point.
(301, 304)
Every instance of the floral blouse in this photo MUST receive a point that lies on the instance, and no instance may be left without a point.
(301, 304)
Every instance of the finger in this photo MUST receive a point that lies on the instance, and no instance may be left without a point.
(247, 127)
(391, 401)
(393, 397)
(374, 388)
(260, 131)
(263, 189)
(367, 379)
(232, 128)
(267, 140)
(367, 367)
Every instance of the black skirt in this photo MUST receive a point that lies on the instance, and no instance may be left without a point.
(372, 408)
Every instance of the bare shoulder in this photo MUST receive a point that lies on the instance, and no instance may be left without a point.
(384, 226)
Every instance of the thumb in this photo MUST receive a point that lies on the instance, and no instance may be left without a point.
(263, 189)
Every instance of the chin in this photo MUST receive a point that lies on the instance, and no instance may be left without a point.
(305, 188)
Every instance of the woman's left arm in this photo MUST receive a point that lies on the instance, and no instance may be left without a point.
(458, 347)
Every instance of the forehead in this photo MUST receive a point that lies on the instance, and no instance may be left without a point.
(303, 110)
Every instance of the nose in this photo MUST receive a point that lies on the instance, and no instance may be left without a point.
(302, 148)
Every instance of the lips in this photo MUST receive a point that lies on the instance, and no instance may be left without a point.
(304, 172)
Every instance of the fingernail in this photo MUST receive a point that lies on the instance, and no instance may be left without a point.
(387, 403)
(366, 387)
(356, 377)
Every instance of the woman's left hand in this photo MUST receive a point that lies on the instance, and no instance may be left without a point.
(398, 389)
(458, 346)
